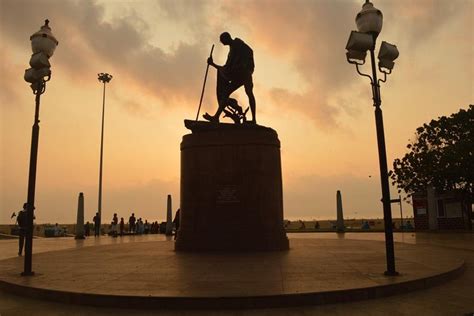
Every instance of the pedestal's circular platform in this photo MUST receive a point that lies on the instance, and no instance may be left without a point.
(153, 275)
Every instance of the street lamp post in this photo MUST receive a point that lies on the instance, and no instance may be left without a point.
(104, 78)
(369, 24)
(43, 44)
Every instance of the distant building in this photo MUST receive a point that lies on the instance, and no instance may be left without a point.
(442, 211)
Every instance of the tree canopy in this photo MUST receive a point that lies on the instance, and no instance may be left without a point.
(442, 156)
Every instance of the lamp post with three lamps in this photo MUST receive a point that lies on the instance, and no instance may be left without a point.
(369, 24)
(43, 44)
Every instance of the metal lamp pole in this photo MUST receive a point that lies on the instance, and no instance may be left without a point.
(369, 23)
(387, 208)
(43, 44)
(27, 270)
(104, 78)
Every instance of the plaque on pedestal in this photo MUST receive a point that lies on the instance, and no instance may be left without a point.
(231, 189)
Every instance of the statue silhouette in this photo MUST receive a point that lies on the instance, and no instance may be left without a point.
(236, 72)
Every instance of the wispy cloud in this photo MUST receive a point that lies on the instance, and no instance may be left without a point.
(309, 35)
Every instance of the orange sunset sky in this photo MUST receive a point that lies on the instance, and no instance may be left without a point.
(157, 50)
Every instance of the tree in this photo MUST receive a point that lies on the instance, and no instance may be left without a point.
(442, 156)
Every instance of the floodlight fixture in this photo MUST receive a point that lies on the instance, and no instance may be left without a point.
(104, 77)
(357, 47)
(387, 54)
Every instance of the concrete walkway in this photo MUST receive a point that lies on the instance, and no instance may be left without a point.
(324, 264)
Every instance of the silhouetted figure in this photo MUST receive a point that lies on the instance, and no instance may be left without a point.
(57, 230)
(176, 223)
(96, 221)
(122, 226)
(236, 72)
(146, 227)
(22, 227)
(316, 225)
(131, 222)
(87, 229)
(366, 225)
(302, 225)
(139, 227)
(114, 225)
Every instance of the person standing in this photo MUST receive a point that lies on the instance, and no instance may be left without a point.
(122, 226)
(96, 220)
(114, 225)
(87, 229)
(131, 222)
(21, 221)
(139, 226)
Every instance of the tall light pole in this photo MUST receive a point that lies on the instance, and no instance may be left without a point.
(43, 44)
(369, 24)
(104, 78)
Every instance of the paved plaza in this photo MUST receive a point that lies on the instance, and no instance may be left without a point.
(147, 266)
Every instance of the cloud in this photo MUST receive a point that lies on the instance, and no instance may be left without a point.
(86, 40)
(421, 20)
(309, 35)
(11, 81)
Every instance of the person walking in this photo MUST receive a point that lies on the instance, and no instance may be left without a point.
(235, 73)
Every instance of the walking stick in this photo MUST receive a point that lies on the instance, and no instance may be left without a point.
(204, 84)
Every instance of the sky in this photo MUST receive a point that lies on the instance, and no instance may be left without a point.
(157, 50)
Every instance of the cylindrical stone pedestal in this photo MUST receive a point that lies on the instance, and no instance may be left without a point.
(231, 190)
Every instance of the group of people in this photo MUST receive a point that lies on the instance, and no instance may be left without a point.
(135, 226)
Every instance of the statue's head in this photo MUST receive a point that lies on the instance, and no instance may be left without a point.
(225, 38)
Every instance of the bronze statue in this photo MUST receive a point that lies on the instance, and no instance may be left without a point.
(236, 72)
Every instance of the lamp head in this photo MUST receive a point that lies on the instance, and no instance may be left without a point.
(387, 54)
(357, 47)
(44, 41)
(104, 77)
(369, 19)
